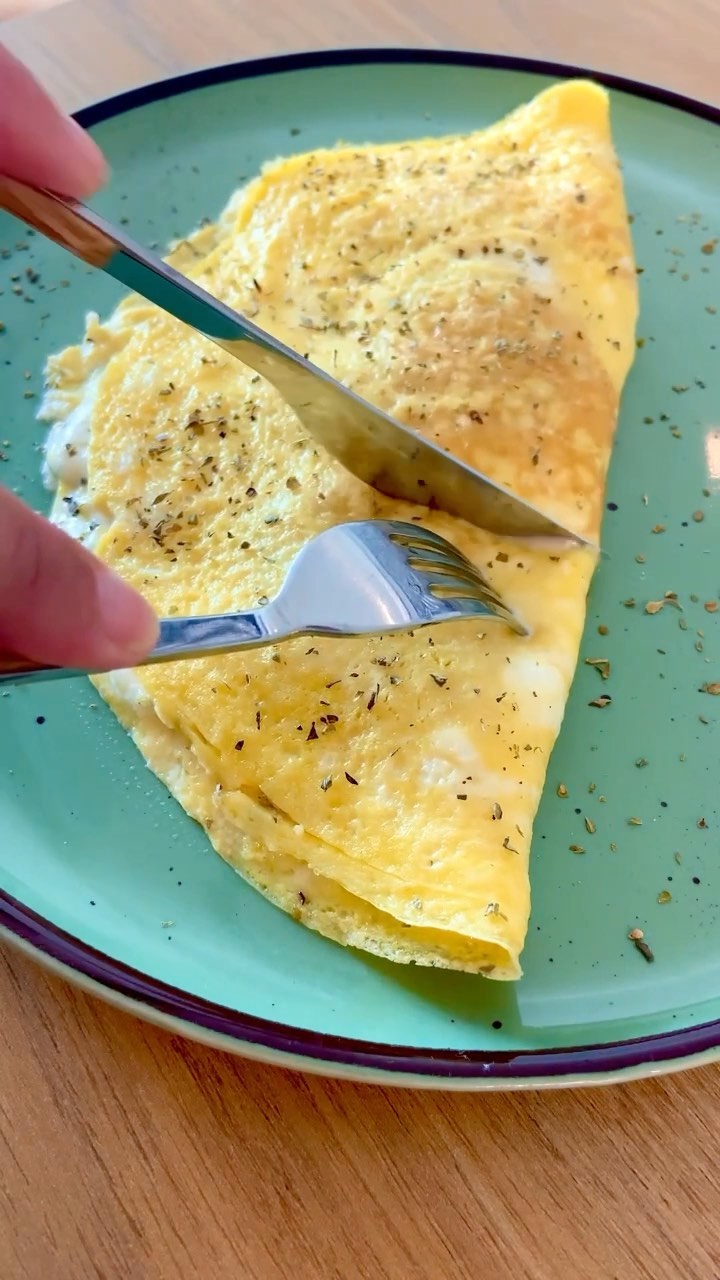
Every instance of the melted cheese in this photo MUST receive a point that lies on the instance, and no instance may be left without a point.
(481, 289)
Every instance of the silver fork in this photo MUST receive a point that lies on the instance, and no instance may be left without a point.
(367, 577)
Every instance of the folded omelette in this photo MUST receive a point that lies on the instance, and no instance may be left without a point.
(482, 289)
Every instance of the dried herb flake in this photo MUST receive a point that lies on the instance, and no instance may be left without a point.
(637, 937)
(373, 697)
(601, 664)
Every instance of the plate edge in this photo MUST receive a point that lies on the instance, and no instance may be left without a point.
(275, 1041)
(223, 73)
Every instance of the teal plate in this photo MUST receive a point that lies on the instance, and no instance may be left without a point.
(105, 878)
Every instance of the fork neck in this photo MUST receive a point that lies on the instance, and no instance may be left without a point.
(199, 637)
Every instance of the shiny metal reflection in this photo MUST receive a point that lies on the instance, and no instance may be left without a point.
(367, 577)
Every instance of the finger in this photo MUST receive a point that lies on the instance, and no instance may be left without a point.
(38, 143)
(59, 604)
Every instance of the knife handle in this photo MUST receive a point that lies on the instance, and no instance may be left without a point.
(17, 670)
(59, 219)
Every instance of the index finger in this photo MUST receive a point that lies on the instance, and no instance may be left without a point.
(39, 143)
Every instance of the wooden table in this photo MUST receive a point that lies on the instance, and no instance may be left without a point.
(129, 1155)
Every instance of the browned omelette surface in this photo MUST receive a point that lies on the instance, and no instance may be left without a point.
(481, 289)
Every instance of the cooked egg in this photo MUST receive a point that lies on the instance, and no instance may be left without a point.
(482, 289)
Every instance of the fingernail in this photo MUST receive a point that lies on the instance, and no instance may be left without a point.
(129, 625)
(86, 164)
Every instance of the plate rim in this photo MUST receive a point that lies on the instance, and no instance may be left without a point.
(252, 68)
(278, 1042)
(162, 1002)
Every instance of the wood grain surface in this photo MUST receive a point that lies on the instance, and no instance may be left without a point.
(129, 1155)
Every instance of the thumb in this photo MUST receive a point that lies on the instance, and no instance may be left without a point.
(38, 143)
(59, 604)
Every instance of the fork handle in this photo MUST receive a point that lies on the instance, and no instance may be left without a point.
(179, 638)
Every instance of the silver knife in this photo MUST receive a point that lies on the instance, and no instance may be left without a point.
(372, 445)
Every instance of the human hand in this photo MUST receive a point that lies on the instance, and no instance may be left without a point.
(59, 604)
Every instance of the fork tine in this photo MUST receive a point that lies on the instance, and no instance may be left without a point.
(429, 560)
(459, 589)
(464, 593)
(436, 548)
(442, 555)
(418, 536)
(490, 608)
(449, 573)
(457, 584)
(439, 568)
(444, 558)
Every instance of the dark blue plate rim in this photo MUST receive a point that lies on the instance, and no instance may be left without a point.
(204, 76)
(167, 1001)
